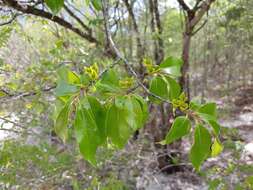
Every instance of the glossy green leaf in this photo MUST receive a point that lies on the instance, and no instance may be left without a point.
(201, 147)
(174, 71)
(174, 88)
(172, 66)
(216, 126)
(180, 127)
(55, 5)
(170, 62)
(61, 123)
(210, 109)
(211, 121)
(159, 87)
(216, 148)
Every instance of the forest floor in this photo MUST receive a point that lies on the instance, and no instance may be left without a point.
(231, 170)
(137, 165)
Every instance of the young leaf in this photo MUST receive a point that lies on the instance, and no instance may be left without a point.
(201, 147)
(55, 5)
(61, 123)
(216, 148)
(90, 127)
(159, 87)
(180, 127)
(117, 125)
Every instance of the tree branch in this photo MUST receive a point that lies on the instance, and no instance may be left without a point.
(184, 5)
(204, 7)
(25, 94)
(77, 19)
(27, 9)
(136, 30)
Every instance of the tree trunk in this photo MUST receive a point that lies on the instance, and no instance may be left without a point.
(184, 79)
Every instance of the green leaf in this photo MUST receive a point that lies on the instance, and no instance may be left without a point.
(172, 66)
(90, 127)
(109, 83)
(61, 123)
(174, 88)
(68, 76)
(216, 127)
(211, 121)
(97, 4)
(136, 117)
(201, 147)
(117, 125)
(170, 62)
(64, 89)
(159, 87)
(180, 127)
(110, 77)
(174, 71)
(144, 107)
(55, 5)
(216, 148)
(210, 109)
(98, 112)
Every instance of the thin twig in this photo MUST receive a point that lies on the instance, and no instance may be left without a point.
(128, 65)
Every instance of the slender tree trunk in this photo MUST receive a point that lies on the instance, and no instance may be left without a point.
(184, 79)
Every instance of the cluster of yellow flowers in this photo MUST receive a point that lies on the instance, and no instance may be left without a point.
(181, 102)
(151, 68)
(92, 71)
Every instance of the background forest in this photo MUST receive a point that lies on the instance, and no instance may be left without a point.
(41, 41)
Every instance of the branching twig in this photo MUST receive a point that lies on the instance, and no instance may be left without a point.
(128, 65)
